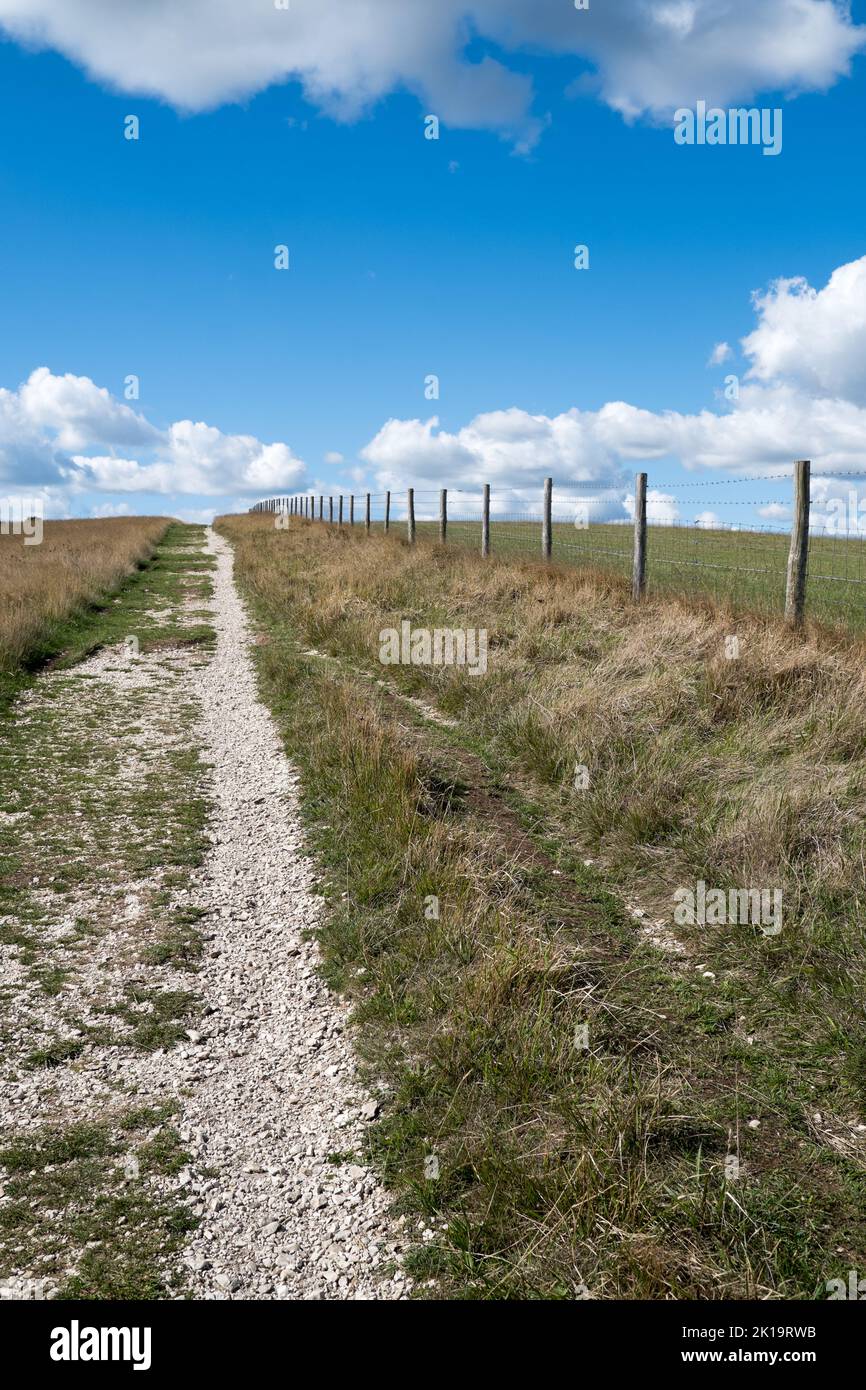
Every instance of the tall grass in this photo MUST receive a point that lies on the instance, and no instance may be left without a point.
(604, 1170)
(43, 587)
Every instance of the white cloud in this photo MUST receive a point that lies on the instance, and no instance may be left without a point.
(80, 413)
(769, 429)
(805, 398)
(775, 511)
(816, 338)
(333, 458)
(111, 509)
(793, 406)
(720, 353)
(646, 58)
(49, 417)
(502, 447)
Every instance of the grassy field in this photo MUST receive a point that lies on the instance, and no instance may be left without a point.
(46, 589)
(617, 1106)
(743, 568)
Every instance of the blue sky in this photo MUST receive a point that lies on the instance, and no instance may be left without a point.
(411, 257)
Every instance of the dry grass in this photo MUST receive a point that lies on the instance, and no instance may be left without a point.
(78, 563)
(605, 1169)
(755, 767)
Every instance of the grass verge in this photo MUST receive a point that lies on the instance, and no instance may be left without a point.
(605, 1117)
(102, 821)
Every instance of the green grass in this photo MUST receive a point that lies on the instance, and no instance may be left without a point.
(741, 567)
(69, 1201)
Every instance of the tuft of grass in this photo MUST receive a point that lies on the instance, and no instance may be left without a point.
(55, 1053)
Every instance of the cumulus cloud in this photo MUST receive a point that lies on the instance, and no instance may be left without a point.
(816, 338)
(768, 429)
(805, 397)
(641, 59)
(507, 447)
(107, 509)
(67, 433)
(802, 398)
(775, 511)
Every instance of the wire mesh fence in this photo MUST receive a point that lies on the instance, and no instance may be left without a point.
(745, 562)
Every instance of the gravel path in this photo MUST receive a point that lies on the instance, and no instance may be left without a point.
(263, 1083)
(284, 1222)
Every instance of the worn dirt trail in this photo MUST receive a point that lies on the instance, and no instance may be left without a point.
(260, 1075)
(282, 1095)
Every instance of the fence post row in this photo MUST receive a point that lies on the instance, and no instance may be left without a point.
(638, 578)
(798, 555)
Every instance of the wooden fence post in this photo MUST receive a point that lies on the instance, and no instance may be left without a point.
(387, 510)
(638, 578)
(410, 515)
(367, 514)
(321, 507)
(331, 511)
(352, 510)
(547, 520)
(443, 515)
(340, 522)
(798, 556)
(485, 522)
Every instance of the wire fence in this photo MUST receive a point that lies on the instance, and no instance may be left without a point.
(815, 563)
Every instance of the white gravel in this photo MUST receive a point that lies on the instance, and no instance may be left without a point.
(281, 1220)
